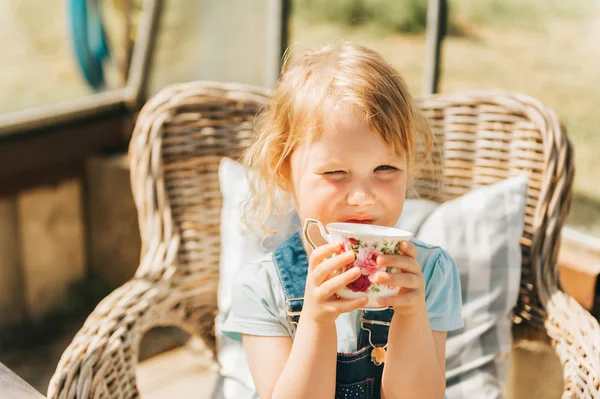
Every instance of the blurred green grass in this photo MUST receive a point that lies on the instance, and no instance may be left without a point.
(410, 16)
(547, 49)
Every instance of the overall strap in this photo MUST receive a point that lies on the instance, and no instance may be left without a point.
(375, 324)
(291, 263)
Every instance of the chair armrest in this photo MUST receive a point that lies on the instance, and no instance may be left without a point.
(575, 336)
(101, 360)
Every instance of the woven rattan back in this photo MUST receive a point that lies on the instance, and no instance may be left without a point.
(487, 136)
(179, 138)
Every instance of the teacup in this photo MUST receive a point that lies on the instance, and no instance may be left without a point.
(368, 242)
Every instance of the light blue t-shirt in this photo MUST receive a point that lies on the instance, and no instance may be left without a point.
(258, 302)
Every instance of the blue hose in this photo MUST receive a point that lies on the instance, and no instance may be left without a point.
(89, 40)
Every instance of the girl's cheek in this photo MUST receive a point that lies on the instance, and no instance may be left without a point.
(392, 186)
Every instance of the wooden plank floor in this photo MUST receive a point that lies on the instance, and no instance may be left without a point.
(180, 373)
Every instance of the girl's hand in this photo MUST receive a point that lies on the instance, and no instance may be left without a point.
(324, 279)
(410, 299)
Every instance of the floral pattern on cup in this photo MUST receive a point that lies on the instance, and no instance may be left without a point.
(368, 243)
(366, 260)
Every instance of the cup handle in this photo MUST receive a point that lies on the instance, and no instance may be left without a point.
(307, 223)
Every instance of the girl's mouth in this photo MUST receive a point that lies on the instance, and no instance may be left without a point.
(360, 221)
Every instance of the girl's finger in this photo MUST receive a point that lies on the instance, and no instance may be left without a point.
(336, 283)
(401, 262)
(348, 305)
(408, 249)
(329, 266)
(323, 252)
(407, 280)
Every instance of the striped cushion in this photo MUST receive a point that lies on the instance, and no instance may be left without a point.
(481, 231)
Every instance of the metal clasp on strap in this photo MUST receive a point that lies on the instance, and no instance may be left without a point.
(291, 314)
(364, 321)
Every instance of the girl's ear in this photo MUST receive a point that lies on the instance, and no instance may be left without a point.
(284, 180)
(285, 184)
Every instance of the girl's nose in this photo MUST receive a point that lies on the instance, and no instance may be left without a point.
(361, 195)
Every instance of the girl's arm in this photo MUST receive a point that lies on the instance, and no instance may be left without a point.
(266, 357)
(415, 363)
(305, 369)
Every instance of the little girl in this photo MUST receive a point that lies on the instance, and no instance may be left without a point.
(340, 138)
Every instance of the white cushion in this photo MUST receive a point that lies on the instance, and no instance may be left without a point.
(238, 247)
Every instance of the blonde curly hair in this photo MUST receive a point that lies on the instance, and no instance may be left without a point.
(317, 81)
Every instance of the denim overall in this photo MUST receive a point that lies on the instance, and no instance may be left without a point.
(357, 376)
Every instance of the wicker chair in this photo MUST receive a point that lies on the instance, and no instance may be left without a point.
(178, 140)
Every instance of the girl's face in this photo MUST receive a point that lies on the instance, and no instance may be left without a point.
(348, 174)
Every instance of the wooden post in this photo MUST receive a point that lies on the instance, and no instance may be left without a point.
(437, 15)
(286, 12)
(274, 39)
(12, 301)
(52, 242)
(142, 53)
(114, 239)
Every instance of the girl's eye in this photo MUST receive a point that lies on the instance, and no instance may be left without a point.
(336, 175)
(386, 168)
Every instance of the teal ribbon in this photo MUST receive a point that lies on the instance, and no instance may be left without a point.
(89, 40)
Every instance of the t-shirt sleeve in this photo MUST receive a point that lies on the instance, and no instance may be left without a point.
(258, 304)
(443, 293)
